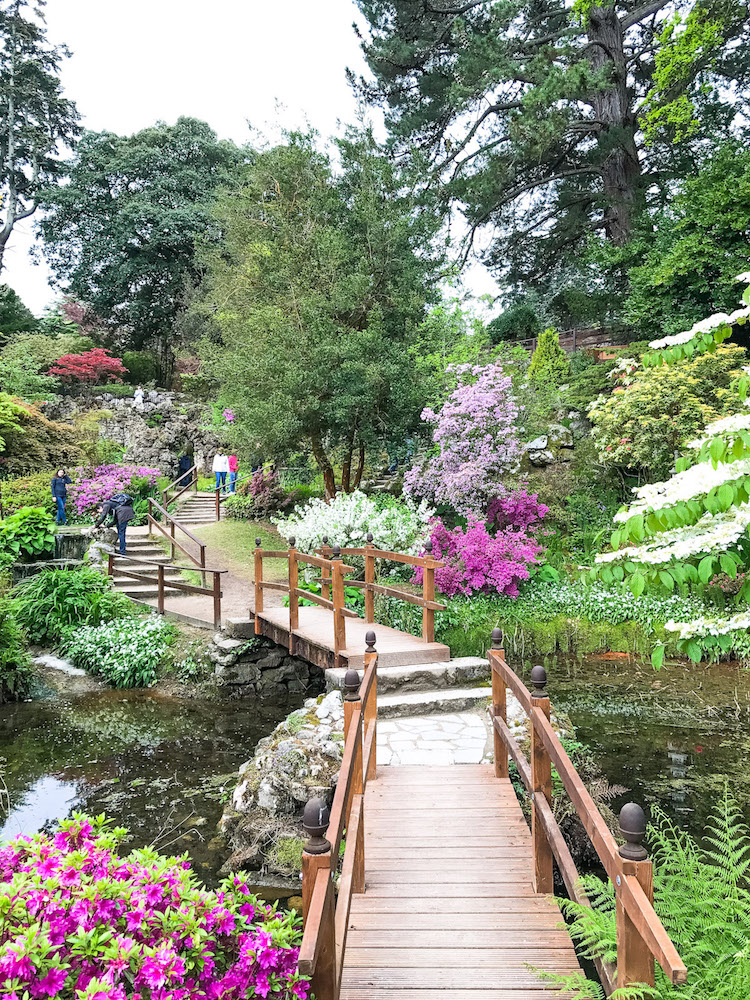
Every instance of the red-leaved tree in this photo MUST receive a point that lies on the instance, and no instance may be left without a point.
(93, 367)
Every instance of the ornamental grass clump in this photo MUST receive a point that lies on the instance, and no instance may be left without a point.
(125, 653)
(79, 921)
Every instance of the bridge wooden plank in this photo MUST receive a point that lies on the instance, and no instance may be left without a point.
(448, 890)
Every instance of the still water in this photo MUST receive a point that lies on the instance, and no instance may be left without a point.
(162, 767)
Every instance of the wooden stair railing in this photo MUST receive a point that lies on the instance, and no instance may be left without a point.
(427, 564)
(332, 601)
(168, 526)
(214, 591)
(223, 493)
(192, 484)
(326, 918)
(641, 936)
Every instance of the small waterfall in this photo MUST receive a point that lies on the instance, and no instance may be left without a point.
(71, 544)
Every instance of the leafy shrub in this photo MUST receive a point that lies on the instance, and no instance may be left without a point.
(701, 895)
(258, 497)
(125, 653)
(27, 534)
(658, 409)
(55, 600)
(149, 927)
(520, 322)
(123, 391)
(549, 362)
(32, 442)
(142, 366)
(198, 386)
(43, 349)
(93, 486)
(90, 368)
(15, 665)
(588, 380)
(396, 525)
(32, 490)
(21, 377)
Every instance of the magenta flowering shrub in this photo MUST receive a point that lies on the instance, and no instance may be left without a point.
(515, 509)
(92, 486)
(475, 433)
(480, 563)
(78, 921)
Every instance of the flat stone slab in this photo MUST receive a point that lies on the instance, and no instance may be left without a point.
(421, 676)
(430, 702)
(434, 740)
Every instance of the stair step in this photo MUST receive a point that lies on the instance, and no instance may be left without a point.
(422, 676)
(393, 706)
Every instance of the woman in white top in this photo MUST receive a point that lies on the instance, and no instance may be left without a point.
(220, 468)
(138, 398)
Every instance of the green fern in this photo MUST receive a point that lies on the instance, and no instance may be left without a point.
(702, 895)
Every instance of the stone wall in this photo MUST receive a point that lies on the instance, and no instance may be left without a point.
(258, 667)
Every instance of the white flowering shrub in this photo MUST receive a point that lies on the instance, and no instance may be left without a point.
(125, 653)
(395, 525)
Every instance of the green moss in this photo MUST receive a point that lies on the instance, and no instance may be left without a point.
(286, 855)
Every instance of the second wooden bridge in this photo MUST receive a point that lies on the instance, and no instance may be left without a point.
(443, 890)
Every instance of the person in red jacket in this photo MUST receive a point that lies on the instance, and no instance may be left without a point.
(233, 467)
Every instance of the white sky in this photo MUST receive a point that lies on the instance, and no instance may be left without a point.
(228, 62)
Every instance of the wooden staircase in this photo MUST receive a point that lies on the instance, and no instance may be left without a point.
(197, 508)
(151, 552)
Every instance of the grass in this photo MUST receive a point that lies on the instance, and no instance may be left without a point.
(233, 544)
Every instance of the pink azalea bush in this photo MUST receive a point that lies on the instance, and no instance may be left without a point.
(480, 563)
(92, 486)
(475, 434)
(515, 509)
(81, 922)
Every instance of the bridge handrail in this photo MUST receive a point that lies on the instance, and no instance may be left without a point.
(641, 936)
(326, 921)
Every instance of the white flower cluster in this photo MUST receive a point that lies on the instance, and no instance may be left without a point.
(398, 526)
(707, 625)
(727, 425)
(623, 369)
(713, 533)
(693, 482)
(703, 326)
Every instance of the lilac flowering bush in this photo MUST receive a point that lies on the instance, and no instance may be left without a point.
(92, 486)
(476, 440)
(480, 563)
(79, 921)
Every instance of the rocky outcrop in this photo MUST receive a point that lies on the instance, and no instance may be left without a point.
(298, 761)
(558, 443)
(258, 667)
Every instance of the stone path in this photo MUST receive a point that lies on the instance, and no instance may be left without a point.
(434, 740)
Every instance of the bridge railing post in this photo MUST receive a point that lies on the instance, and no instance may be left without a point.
(369, 580)
(325, 572)
(541, 781)
(339, 619)
(293, 598)
(371, 707)
(352, 717)
(428, 594)
(317, 861)
(635, 961)
(499, 706)
(258, 554)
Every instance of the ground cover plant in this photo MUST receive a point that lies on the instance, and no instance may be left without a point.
(56, 600)
(126, 653)
(30, 490)
(27, 534)
(82, 921)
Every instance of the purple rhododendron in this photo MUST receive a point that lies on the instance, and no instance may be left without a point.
(90, 487)
(478, 562)
(515, 509)
(80, 921)
(475, 432)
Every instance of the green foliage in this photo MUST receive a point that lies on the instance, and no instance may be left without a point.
(142, 366)
(701, 894)
(160, 182)
(32, 490)
(643, 425)
(549, 363)
(315, 339)
(14, 316)
(11, 415)
(15, 665)
(36, 442)
(588, 380)
(55, 600)
(25, 535)
(286, 855)
(43, 349)
(21, 377)
(125, 653)
(118, 391)
(520, 322)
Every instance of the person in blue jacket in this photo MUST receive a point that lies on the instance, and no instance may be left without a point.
(60, 482)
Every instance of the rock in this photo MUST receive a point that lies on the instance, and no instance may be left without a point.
(538, 444)
(560, 436)
(329, 704)
(541, 458)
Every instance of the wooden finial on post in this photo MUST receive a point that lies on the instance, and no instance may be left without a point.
(541, 783)
(499, 704)
(371, 706)
(316, 855)
(351, 686)
(325, 571)
(370, 642)
(258, 556)
(635, 962)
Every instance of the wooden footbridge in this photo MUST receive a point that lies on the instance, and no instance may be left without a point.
(443, 890)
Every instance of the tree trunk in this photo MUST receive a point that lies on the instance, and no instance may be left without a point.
(621, 168)
(324, 464)
(346, 468)
(360, 465)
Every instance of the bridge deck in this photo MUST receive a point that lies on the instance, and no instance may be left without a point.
(314, 639)
(449, 907)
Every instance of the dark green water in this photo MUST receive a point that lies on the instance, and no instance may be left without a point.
(162, 767)
(674, 738)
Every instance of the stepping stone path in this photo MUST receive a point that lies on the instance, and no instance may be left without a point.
(434, 740)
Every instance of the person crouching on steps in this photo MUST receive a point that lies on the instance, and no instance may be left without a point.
(121, 515)
(60, 483)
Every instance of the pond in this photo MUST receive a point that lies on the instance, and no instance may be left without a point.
(674, 738)
(160, 766)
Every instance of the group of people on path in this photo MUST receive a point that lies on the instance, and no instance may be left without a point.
(223, 466)
(118, 507)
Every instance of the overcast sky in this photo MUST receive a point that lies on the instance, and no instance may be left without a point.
(228, 62)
